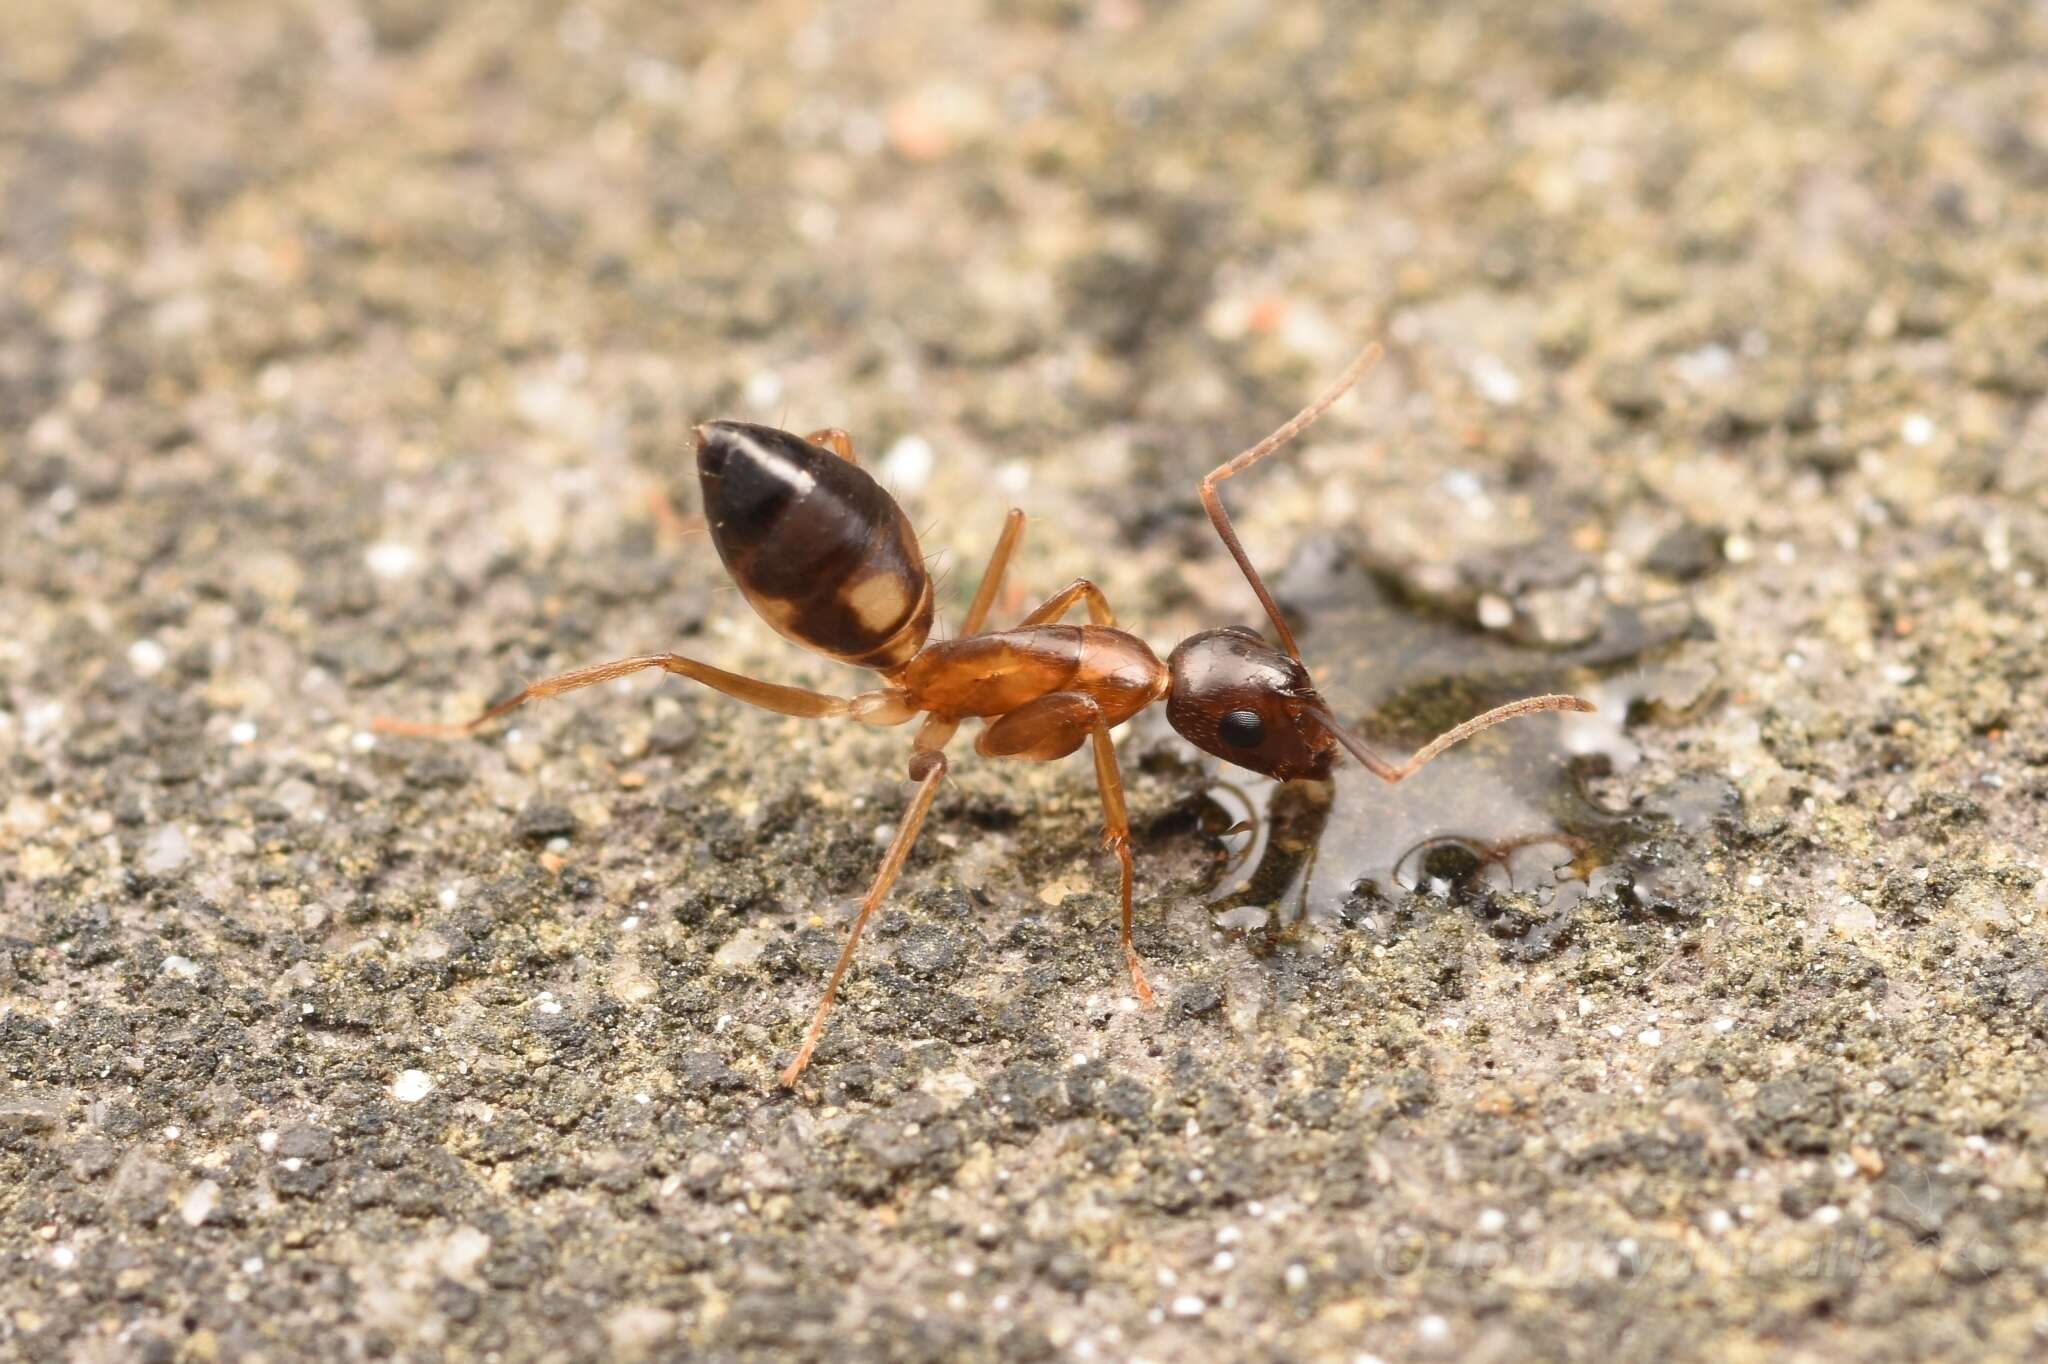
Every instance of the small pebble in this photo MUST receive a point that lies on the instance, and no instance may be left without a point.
(411, 1086)
(147, 657)
(165, 851)
(389, 559)
(908, 465)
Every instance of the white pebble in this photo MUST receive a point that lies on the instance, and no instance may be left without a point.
(390, 559)
(180, 968)
(908, 465)
(1433, 1329)
(1496, 383)
(147, 657)
(166, 850)
(198, 1205)
(1724, 1025)
(1650, 1037)
(1492, 1221)
(242, 733)
(1495, 612)
(1188, 1305)
(764, 389)
(411, 1086)
(1916, 430)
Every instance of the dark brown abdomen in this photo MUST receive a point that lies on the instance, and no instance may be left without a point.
(823, 553)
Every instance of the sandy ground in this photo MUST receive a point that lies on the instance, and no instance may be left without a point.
(345, 345)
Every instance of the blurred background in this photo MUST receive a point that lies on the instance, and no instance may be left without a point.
(348, 354)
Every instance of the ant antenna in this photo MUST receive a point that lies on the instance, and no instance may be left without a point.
(1365, 360)
(1390, 773)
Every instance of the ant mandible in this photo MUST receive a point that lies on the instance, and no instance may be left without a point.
(830, 561)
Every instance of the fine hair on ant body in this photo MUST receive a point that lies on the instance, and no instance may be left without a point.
(829, 560)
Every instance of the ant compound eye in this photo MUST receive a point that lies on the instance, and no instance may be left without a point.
(1242, 729)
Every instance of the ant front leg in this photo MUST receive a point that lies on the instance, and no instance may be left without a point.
(773, 696)
(1051, 727)
(1116, 836)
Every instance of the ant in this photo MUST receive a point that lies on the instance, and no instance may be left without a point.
(829, 560)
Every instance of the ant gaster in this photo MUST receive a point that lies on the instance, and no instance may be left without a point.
(828, 559)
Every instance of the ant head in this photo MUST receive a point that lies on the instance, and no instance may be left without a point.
(1236, 696)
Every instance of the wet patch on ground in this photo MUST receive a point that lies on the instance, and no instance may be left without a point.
(1508, 827)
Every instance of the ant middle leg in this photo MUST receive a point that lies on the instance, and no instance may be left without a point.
(773, 696)
(992, 576)
(928, 769)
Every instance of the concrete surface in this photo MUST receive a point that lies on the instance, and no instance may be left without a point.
(343, 344)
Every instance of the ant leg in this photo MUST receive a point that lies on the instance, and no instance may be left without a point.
(992, 576)
(836, 440)
(1062, 601)
(1116, 836)
(1294, 427)
(1391, 773)
(927, 768)
(1052, 727)
(810, 705)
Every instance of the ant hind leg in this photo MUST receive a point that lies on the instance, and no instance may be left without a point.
(767, 695)
(928, 769)
(838, 441)
(1059, 603)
